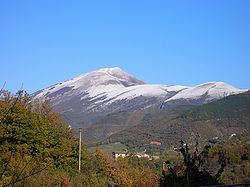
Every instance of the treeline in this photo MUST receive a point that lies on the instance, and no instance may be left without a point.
(38, 149)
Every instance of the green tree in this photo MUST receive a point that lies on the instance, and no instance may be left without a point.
(33, 139)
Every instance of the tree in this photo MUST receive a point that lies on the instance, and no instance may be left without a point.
(194, 174)
(33, 139)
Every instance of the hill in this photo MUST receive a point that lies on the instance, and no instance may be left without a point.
(216, 120)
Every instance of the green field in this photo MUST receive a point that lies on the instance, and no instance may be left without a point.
(109, 148)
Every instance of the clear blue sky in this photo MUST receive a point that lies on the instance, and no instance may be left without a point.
(158, 41)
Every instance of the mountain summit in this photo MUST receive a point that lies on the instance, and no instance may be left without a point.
(92, 95)
(110, 78)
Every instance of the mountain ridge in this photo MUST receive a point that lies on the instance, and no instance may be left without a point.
(85, 98)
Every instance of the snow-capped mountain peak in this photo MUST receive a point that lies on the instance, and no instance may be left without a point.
(111, 76)
(108, 90)
(121, 75)
(103, 79)
(111, 70)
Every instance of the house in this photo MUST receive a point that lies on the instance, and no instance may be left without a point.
(122, 154)
(143, 155)
(125, 153)
(232, 135)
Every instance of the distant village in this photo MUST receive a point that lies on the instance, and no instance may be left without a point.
(142, 154)
(125, 153)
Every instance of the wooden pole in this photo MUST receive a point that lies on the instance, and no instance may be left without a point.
(80, 149)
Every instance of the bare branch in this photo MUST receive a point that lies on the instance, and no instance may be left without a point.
(17, 178)
(2, 87)
(27, 176)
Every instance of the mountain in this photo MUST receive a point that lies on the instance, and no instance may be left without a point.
(91, 96)
(214, 122)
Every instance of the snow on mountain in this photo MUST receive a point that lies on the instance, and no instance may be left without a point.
(204, 93)
(95, 82)
(113, 94)
(113, 84)
(91, 95)
(105, 85)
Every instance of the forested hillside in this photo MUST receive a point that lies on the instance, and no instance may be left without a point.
(219, 119)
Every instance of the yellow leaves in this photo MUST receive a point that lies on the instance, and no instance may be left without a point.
(124, 173)
(34, 131)
(34, 138)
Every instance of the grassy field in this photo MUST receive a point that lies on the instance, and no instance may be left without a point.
(109, 148)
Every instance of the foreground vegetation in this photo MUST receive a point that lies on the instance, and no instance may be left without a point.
(38, 149)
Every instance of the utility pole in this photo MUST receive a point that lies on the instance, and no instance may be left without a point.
(80, 149)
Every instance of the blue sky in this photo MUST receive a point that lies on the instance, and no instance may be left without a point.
(166, 42)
